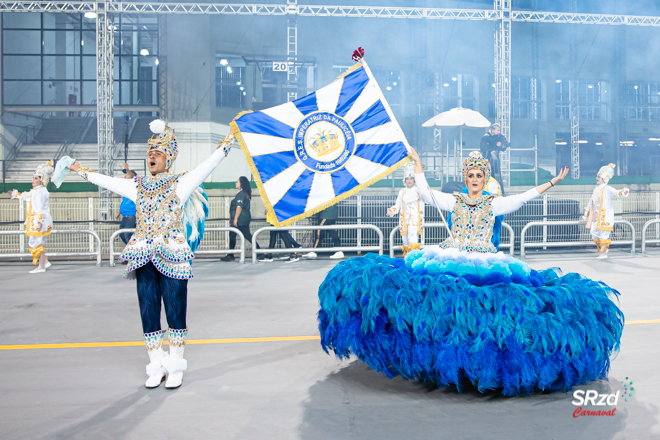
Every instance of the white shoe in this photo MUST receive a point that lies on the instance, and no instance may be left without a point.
(38, 270)
(337, 255)
(601, 257)
(47, 265)
(266, 260)
(294, 259)
(174, 380)
(154, 381)
(310, 255)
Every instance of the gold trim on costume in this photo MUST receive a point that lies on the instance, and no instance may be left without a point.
(36, 253)
(600, 221)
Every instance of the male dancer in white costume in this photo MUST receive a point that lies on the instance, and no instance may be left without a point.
(158, 254)
(410, 208)
(38, 221)
(599, 212)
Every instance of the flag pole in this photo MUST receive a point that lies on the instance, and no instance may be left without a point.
(451, 236)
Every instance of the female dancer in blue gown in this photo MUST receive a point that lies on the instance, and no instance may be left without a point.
(463, 312)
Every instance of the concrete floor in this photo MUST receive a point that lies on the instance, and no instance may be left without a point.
(278, 390)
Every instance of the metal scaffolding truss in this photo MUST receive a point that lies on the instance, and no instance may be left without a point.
(292, 54)
(331, 11)
(105, 40)
(503, 83)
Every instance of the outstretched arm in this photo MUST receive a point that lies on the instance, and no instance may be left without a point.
(124, 187)
(506, 205)
(395, 209)
(189, 182)
(445, 202)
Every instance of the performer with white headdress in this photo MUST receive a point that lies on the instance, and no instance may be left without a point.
(38, 221)
(599, 212)
(171, 209)
(410, 208)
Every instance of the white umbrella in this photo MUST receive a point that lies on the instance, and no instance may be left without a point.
(458, 117)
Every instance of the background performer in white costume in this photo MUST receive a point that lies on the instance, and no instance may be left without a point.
(599, 212)
(410, 208)
(38, 221)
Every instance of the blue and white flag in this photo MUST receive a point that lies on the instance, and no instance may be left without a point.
(309, 154)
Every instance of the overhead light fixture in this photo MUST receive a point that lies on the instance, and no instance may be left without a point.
(582, 142)
(558, 81)
(493, 84)
(599, 143)
(389, 88)
(244, 93)
(590, 86)
(635, 87)
(229, 69)
(446, 84)
(241, 88)
(654, 139)
(157, 62)
(82, 42)
(238, 83)
(561, 143)
(144, 52)
(453, 78)
(224, 62)
(394, 83)
(90, 15)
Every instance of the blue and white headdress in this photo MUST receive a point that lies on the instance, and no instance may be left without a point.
(163, 141)
(477, 161)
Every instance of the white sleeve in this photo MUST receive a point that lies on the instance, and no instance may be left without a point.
(124, 187)
(191, 180)
(446, 202)
(39, 199)
(506, 205)
(397, 204)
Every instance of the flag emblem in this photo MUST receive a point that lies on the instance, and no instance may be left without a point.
(313, 152)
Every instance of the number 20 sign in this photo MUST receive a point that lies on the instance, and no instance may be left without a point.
(280, 66)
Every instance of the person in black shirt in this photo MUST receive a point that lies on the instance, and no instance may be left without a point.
(239, 214)
(492, 144)
(327, 217)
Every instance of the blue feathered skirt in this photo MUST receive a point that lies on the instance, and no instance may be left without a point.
(450, 317)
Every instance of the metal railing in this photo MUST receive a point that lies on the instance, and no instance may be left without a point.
(509, 245)
(545, 244)
(651, 240)
(357, 248)
(240, 250)
(91, 252)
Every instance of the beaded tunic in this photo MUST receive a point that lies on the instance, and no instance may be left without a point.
(472, 224)
(159, 234)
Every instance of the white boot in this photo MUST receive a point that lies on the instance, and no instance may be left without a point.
(155, 369)
(175, 364)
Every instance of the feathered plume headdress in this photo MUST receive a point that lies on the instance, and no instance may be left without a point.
(45, 171)
(606, 172)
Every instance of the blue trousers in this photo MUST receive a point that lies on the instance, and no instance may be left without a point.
(127, 222)
(152, 286)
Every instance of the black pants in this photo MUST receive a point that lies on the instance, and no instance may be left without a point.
(288, 240)
(245, 229)
(152, 286)
(333, 234)
(127, 222)
(495, 168)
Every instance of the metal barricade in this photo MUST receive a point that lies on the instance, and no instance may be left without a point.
(509, 245)
(241, 250)
(652, 240)
(544, 244)
(90, 253)
(256, 251)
